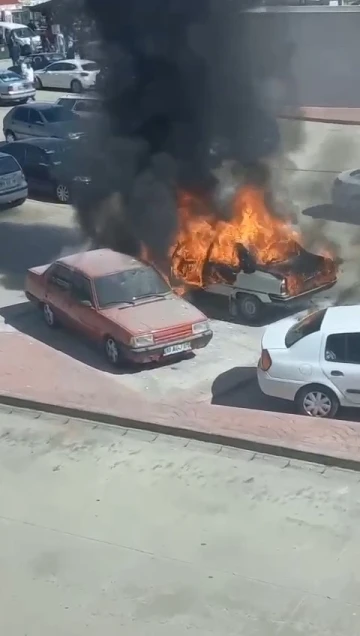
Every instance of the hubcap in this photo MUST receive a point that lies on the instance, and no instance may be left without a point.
(112, 350)
(49, 316)
(317, 404)
(62, 193)
(250, 308)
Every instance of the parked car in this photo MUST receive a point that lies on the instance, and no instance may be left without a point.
(38, 61)
(13, 186)
(346, 191)
(75, 75)
(314, 361)
(22, 33)
(41, 120)
(120, 303)
(84, 105)
(14, 88)
(51, 166)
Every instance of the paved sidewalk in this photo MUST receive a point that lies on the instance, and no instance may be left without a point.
(35, 375)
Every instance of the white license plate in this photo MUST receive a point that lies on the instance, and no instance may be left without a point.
(178, 348)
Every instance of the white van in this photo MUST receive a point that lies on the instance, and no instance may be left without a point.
(23, 34)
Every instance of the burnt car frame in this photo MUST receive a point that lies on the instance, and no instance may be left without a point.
(120, 303)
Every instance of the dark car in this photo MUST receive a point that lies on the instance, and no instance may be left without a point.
(38, 61)
(51, 166)
(41, 120)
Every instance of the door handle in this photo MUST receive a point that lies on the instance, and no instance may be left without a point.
(337, 373)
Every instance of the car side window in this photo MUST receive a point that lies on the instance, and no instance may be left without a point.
(353, 348)
(56, 66)
(66, 102)
(61, 277)
(335, 348)
(21, 114)
(67, 66)
(35, 117)
(81, 289)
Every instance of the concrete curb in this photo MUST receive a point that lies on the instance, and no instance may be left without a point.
(254, 444)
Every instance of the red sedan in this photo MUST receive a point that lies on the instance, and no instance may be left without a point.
(120, 303)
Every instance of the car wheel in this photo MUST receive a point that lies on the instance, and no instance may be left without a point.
(112, 351)
(316, 401)
(9, 136)
(37, 83)
(76, 86)
(62, 193)
(49, 316)
(248, 307)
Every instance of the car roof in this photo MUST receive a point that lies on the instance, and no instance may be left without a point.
(39, 105)
(77, 60)
(13, 25)
(341, 319)
(101, 262)
(79, 96)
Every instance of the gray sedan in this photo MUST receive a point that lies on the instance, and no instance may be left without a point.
(14, 89)
(42, 120)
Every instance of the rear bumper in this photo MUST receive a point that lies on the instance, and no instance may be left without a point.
(13, 195)
(277, 388)
(290, 301)
(156, 353)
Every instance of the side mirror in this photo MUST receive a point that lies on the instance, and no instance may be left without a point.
(85, 303)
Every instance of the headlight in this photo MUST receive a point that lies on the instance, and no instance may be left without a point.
(142, 341)
(200, 327)
(74, 135)
(82, 179)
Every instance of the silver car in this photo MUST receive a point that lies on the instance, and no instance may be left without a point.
(13, 185)
(14, 88)
(84, 105)
(41, 120)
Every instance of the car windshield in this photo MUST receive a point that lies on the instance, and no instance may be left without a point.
(7, 165)
(90, 66)
(24, 32)
(128, 286)
(58, 113)
(305, 327)
(9, 77)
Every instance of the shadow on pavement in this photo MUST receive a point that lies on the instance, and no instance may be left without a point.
(27, 319)
(246, 394)
(28, 245)
(329, 212)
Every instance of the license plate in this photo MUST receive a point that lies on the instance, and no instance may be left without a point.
(178, 348)
(7, 183)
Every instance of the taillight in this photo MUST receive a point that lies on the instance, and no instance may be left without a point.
(265, 361)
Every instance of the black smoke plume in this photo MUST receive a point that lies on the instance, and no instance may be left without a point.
(179, 99)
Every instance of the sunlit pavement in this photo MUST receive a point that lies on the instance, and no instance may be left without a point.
(40, 231)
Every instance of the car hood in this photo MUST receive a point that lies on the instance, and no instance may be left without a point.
(274, 336)
(154, 315)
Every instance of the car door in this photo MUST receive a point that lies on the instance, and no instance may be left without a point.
(58, 291)
(50, 77)
(340, 362)
(36, 124)
(81, 309)
(37, 169)
(68, 72)
(19, 124)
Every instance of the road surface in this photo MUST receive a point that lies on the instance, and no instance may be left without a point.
(104, 530)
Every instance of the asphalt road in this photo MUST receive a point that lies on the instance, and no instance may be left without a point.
(313, 154)
(104, 530)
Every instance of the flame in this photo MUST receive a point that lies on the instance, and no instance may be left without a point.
(203, 239)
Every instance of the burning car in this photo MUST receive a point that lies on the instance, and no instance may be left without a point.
(254, 258)
(119, 303)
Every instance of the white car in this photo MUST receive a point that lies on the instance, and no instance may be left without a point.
(346, 191)
(314, 361)
(75, 75)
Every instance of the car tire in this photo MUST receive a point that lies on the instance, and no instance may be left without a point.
(112, 351)
(49, 316)
(76, 87)
(248, 307)
(37, 83)
(316, 400)
(62, 193)
(10, 136)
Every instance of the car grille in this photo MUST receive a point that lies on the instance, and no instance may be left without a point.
(172, 334)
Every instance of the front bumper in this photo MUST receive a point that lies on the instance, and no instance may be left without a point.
(13, 195)
(155, 353)
(17, 96)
